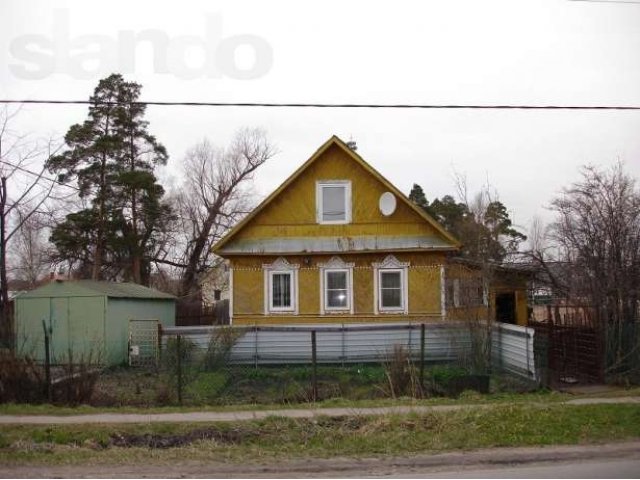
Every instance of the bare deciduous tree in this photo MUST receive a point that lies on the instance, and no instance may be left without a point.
(541, 251)
(598, 236)
(598, 231)
(17, 154)
(31, 249)
(214, 196)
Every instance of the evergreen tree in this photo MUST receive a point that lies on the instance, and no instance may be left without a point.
(449, 213)
(140, 194)
(486, 235)
(418, 197)
(112, 156)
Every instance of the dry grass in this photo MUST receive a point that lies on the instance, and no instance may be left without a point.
(277, 437)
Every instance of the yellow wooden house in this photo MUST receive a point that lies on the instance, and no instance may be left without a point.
(337, 243)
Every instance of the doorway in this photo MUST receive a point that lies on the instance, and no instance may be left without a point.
(506, 308)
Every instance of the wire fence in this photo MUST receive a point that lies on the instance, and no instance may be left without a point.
(217, 365)
(201, 365)
(287, 364)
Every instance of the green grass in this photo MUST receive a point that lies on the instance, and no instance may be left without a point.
(265, 385)
(540, 397)
(126, 390)
(277, 438)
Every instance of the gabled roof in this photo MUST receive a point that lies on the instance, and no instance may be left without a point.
(334, 140)
(92, 288)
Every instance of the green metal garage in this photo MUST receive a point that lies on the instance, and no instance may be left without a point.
(88, 318)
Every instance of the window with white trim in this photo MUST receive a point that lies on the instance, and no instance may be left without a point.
(391, 286)
(336, 286)
(333, 201)
(391, 297)
(281, 287)
(336, 289)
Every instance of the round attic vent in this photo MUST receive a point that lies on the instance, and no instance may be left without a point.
(387, 203)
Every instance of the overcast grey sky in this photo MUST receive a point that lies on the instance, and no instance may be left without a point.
(453, 51)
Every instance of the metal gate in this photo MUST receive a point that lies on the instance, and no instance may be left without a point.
(143, 342)
(574, 345)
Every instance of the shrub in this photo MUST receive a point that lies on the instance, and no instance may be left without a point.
(78, 380)
(22, 380)
(219, 348)
(401, 375)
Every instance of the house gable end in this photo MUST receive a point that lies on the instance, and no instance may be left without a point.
(288, 219)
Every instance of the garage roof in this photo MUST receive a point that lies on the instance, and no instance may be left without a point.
(93, 288)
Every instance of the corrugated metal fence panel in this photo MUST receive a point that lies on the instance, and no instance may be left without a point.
(361, 343)
(199, 336)
(512, 349)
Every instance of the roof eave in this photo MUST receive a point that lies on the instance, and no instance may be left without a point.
(334, 252)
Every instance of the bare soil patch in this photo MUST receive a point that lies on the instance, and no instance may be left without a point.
(228, 437)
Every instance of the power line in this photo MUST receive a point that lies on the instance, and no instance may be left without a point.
(331, 105)
(36, 174)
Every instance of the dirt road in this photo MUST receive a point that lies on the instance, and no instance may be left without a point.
(610, 460)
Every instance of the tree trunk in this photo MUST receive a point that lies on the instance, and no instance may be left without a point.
(99, 252)
(136, 260)
(188, 284)
(5, 315)
(97, 256)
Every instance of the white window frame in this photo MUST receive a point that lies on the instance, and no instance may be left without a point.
(391, 264)
(327, 307)
(292, 302)
(443, 292)
(280, 266)
(336, 264)
(456, 292)
(347, 207)
(382, 307)
(231, 293)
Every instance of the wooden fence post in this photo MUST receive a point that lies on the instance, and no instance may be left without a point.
(422, 347)
(314, 361)
(47, 363)
(255, 352)
(179, 366)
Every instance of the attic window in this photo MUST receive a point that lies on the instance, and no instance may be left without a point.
(333, 201)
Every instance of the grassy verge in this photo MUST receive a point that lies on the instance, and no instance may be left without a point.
(269, 385)
(542, 396)
(280, 438)
(538, 397)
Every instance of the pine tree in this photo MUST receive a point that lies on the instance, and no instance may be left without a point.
(140, 193)
(418, 197)
(485, 235)
(112, 156)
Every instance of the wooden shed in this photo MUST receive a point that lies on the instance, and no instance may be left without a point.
(89, 319)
